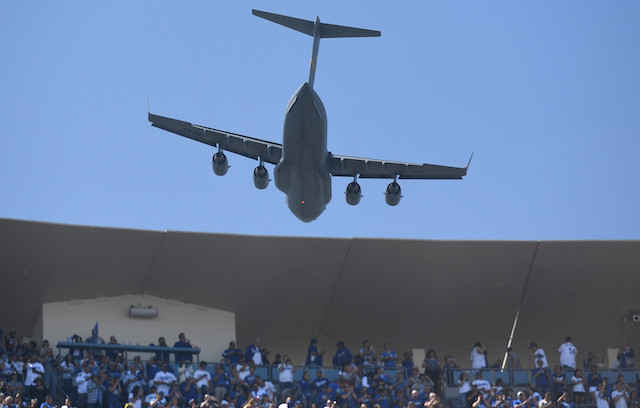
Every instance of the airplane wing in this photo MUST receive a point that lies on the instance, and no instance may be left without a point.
(243, 145)
(373, 168)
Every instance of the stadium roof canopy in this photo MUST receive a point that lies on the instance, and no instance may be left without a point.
(413, 293)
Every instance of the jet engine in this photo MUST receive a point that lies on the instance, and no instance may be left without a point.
(353, 193)
(220, 164)
(393, 194)
(261, 177)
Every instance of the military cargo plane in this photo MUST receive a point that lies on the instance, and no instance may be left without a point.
(303, 165)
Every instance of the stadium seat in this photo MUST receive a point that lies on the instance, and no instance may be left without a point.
(331, 374)
(262, 371)
(521, 378)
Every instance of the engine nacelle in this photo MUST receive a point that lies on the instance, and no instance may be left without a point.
(393, 194)
(353, 194)
(260, 177)
(220, 164)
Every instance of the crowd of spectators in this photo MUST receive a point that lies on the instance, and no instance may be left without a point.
(563, 387)
(97, 378)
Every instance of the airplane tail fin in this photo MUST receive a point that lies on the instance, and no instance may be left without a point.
(317, 30)
(307, 26)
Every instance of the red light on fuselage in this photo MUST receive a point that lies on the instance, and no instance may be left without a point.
(302, 201)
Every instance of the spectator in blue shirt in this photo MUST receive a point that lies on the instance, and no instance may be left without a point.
(381, 378)
(48, 402)
(388, 356)
(163, 355)
(306, 389)
(324, 394)
(182, 343)
(626, 361)
(343, 355)
(593, 379)
(232, 355)
(542, 377)
(407, 364)
(253, 352)
(559, 380)
(314, 355)
(382, 398)
(349, 397)
(320, 381)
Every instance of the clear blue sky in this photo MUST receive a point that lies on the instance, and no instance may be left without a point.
(546, 93)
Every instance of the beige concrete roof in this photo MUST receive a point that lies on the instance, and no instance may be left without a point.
(433, 294)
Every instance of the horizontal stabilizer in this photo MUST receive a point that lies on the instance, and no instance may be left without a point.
(337, 31)
(306, 26)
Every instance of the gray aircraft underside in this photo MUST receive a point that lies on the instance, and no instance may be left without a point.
(303, 165)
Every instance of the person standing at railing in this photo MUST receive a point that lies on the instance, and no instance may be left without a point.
(388, 357)
(477, 357)
(626, 360)
(95, 339)
(343, 355)
(513, 361)
(538, 354)
(113, 353)
(368, 356)
(232, 355)
(448, 367)
(407, 364)
(568, 354)
(314, 355)
(182, 342)
(253, 352)
(432, 370)
(163, 355)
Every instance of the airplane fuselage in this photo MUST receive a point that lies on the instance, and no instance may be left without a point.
(302, 172)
